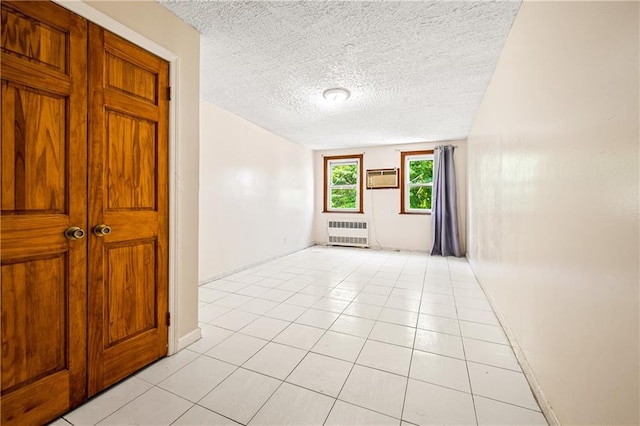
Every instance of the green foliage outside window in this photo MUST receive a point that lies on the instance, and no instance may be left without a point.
(420, 173)
(344, 175)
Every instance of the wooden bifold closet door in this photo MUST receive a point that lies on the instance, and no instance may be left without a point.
(83, 192)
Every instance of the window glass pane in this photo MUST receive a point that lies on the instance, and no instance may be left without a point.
(343, 198)
(420, 197)
(344, 174)
(420, 171)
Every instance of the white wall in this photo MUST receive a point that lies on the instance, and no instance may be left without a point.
(256, 194)
(156, 23)
(388, 228)
(553, 203)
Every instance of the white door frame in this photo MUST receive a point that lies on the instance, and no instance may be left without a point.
(89, 13)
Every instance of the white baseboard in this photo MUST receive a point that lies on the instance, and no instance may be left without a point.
(189, 338)
(252, 265)
(539, 395)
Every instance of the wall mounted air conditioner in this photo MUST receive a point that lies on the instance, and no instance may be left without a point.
(382, 178)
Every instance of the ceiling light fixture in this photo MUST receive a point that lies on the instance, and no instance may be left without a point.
(336, 95)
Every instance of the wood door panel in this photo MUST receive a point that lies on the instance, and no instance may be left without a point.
(43, 191)
(131, 162)
(39, 402)
(33, 40)
(128, 168)
(130, 291)
(33, 151)
(131, 79)
(34, 319)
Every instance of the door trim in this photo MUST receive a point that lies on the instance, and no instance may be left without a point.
(88, 12)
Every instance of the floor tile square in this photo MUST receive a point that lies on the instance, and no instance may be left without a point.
(492, 412)
(393, 333)
(428, 404)
(301, 299)
(275, 360)
(197, 378)
(363, 311)
(345, 414)
(404, 304)
(321, 374)
(237, 349)
(354, 326)
(375, 390)
(294, 406)
(253, 291)
(161, 369)
(316, 318)
(233, 300)
(258, 306)
(199, 416)
(490, 333)
(211, 336)
(277, 295)
(397, 316)
(331, 305)
(371, 299)
(377, 289)
(154, 407)
(491, 353)
(439, 324)
(286, 312)
(234, 320)
(438, 309)
(475, 315)
(299, 336)
(502, 385)
(472, 303)
(339, 345)
(108, 402)
(439, 343)
(241, 395)
(342, 294)
(383, 356)
(210, 312)
(208, 295)
(265, 328)
(440, 370)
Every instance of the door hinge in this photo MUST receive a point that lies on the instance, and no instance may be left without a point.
(168, 93)
(168, 319)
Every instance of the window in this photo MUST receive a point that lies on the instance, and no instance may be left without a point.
(343, 184)
(416, 173)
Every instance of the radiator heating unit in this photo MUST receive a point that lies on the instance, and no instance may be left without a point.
(353, 233)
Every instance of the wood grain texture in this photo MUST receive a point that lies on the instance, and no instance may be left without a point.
(131, 162)
(130, 290)
(33, 151)
(131, 79)
(33, 40)
(43, 191)
(33, 293)
(128, 175)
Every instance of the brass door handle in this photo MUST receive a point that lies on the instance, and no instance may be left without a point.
(101, 230)
(74, 233)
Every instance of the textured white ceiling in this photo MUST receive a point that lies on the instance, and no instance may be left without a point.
(417, 71)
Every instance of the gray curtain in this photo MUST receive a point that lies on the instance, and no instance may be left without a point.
(444, 207)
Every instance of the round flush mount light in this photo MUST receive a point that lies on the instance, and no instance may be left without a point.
(336, 95)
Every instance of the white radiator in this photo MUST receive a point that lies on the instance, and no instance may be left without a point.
(353, 233)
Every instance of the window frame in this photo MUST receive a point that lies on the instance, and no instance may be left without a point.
(405, 157)
(342, 159)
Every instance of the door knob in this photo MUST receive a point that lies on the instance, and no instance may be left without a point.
(102, 230)
(74, 233)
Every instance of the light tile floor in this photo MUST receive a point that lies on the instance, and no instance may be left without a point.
(333, 336)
